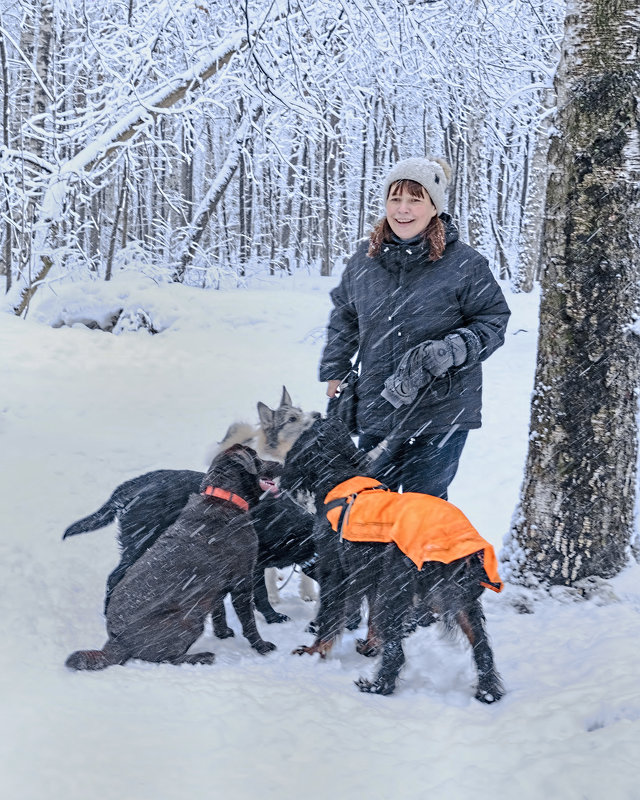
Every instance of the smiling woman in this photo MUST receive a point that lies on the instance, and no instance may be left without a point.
(409, 209)
(424, 310)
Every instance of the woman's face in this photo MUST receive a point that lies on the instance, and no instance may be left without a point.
(407, 214)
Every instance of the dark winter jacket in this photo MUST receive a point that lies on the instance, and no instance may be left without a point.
(395, 301)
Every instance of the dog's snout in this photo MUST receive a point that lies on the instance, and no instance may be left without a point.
(271, 469)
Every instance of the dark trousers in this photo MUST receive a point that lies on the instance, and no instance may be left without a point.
(426, 464)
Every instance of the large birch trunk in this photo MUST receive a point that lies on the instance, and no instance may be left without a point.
(577, 506)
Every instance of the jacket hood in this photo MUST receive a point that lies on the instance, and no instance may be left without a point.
(450, 230)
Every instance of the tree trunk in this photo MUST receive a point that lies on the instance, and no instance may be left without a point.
(325, 267)
(287, 221)
(362, 193)
(304, 215)
(576, 514)
(533, 214)
(41, 98)
(218, 187)
(476, 196)
(245, 206)
(116, 222)
(5, 262)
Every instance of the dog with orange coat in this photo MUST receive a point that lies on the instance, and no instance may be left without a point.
(436, 557)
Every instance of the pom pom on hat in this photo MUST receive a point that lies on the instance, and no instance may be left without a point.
(433, 174)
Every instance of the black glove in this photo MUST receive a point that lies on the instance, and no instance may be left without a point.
(420, 364)
(441, 355)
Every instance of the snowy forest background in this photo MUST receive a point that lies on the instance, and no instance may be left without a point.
(200, 140)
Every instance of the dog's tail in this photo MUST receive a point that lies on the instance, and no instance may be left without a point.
(103, 516)
(122, 496)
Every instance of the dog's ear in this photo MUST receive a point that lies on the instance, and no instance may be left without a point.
(266, 415)
(286, 398)
(246, 457)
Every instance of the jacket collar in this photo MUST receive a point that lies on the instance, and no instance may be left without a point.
(406, 254)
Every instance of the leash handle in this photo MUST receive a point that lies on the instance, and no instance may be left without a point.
(385, 448)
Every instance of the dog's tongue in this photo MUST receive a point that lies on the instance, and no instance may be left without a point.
(268, 486)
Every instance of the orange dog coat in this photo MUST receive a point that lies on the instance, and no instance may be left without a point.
(425, 528)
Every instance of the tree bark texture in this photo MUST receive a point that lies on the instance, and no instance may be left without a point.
(576, 512)
(5, 261)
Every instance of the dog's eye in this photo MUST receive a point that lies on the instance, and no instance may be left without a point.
(292, 418)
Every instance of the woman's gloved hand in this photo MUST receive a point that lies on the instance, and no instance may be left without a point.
(441, 355)
(425, 361)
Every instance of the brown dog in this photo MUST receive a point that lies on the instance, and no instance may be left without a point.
(157, 611)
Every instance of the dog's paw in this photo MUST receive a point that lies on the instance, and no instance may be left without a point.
(87, 659)
(378, 686)
(320, 647)
(490, 693)
(263, 647)
(368, 647)
(276, 617)
(223, 632)
(197, 658)
(487, 697)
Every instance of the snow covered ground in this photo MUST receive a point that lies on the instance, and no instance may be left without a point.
(82, 410)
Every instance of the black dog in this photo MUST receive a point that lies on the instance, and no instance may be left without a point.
(322, 458)
(158, 609)
(149, 504)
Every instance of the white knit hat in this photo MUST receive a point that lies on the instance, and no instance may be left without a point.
(434, 174)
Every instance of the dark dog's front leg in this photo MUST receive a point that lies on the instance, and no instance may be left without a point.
(392, 662)
(261, 598)
(353, 611)
(329, 622)
(242, 599)
(394, 598)
(472, 622)
(219, 619)
(365, 563)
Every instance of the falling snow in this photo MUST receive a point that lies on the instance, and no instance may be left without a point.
(82, 410)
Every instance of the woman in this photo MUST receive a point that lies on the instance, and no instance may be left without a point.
(424, 310)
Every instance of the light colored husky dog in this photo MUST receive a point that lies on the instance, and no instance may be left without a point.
(278, 429)
(272, 439)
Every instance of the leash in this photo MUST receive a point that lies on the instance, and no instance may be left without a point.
(293, 569)
(384, 448)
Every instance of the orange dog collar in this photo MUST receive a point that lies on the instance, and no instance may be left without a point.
(223, 494)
